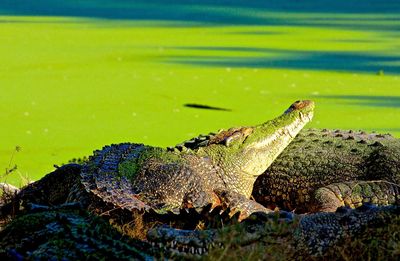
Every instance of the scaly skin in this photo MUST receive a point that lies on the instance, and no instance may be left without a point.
(68, 232)
(136, 177)
(324, 169)
(318, 235)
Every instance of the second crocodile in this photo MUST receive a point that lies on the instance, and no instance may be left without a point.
(322, 170)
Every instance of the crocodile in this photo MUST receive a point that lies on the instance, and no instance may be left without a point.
(324, 169)
(138, 178)
(285, 235)
(321, 170)
(69, 232)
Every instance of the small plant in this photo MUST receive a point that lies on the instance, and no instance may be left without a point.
(8, 191)
(11, 168)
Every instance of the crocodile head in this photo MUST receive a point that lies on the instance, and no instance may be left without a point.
(241, 154)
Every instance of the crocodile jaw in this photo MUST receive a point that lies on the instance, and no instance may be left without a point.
(261, 155)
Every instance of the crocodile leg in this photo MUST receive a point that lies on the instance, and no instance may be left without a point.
(237, 202)
(354, 194)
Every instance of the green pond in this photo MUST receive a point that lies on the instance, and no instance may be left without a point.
(77, 75)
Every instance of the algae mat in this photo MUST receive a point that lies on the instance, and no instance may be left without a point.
(75, 76)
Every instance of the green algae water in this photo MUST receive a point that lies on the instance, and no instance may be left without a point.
(74, 77)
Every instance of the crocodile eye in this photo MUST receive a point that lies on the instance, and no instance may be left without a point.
(228, 137)
(228, 141)
(298, 105)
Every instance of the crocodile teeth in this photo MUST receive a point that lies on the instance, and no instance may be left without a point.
(173, 243)
(201, 251)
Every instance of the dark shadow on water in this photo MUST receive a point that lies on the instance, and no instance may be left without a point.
(291, 59)
(205, 107)
(239, 12)
(364, 100)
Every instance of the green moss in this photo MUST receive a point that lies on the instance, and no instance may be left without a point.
(131, 167)
(128, 168)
